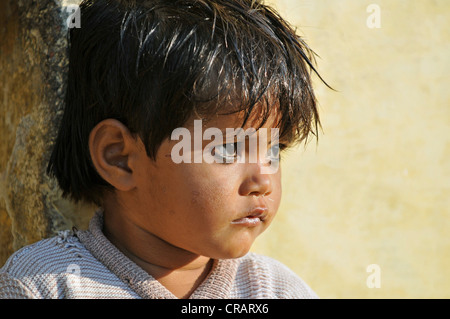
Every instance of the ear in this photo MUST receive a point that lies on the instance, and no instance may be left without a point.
(112, 148)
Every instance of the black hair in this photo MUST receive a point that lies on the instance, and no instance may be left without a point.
(153, 64)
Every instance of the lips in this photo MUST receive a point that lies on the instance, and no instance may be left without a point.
(253, 218)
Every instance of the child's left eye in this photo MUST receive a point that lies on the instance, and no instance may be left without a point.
(274, 151)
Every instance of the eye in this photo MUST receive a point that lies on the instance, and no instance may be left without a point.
(274, 153)
(227, 152)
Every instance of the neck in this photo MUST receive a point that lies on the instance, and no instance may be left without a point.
(180, 271)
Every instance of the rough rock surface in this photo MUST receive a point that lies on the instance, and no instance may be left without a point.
(33, 70)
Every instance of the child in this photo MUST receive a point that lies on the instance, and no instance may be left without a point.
(143, 75)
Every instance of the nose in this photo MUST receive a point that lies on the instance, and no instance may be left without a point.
(255, 183)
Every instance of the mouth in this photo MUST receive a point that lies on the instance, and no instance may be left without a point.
(253, 218)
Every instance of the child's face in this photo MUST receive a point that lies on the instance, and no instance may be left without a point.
(214, 210)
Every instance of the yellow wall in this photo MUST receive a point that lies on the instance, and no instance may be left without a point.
(376, 188)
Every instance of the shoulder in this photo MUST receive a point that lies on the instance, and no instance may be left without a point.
(57, 267)
(11, 288)
(40, 268)
(260, 276)
(35, 265)
(45, 255)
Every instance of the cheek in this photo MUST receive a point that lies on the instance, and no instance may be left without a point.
(213, 197)
(210, 199)
(210, 181)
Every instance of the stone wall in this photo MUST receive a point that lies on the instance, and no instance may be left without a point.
(33, 66)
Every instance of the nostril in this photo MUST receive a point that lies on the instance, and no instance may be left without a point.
(258, 194)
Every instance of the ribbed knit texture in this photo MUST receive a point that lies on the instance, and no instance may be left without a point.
(85, 264)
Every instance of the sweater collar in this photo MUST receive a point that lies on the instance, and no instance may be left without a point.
(218, 284)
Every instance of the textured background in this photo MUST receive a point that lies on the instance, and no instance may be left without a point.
(33, 67)
(374, 190)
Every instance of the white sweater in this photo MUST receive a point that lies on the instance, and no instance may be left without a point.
(86, 265)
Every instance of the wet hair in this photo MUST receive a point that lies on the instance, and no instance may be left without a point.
(154, 64)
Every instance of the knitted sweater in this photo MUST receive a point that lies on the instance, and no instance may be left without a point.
(85, 264)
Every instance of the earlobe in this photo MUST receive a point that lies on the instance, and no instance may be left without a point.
(111, 147)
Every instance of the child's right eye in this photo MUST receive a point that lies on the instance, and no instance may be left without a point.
(226, 153)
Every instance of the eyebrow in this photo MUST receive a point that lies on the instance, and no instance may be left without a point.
(246, 136)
